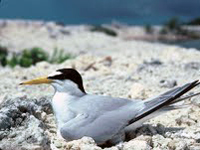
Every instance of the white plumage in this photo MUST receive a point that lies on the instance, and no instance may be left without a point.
(103, 118)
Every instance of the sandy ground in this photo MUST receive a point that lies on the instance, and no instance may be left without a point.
(109, 66)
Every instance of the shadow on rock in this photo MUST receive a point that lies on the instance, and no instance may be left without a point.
(21, 125)
(150, 130)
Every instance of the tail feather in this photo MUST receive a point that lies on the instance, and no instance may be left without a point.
(165, 100)
(185, 97)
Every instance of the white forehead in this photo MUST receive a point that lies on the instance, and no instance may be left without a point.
(54, 73)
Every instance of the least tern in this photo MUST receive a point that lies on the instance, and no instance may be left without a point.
(103, 118)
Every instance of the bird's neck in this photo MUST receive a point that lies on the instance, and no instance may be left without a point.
(62, 103)
(62, 100)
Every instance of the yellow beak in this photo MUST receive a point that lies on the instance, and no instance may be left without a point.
(37, 81)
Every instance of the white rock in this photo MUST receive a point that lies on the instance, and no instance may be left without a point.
(137, 91)
(136, 145)
(85, 143)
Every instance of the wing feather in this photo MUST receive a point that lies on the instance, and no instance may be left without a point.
(163, 100)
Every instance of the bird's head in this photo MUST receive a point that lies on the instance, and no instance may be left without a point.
(63, 80)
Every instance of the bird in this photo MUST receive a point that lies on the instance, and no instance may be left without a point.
(103, 118)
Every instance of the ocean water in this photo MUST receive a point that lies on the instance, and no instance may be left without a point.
(190, 44)
(100, 11)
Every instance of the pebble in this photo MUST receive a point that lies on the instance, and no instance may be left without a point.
(137, 91)
(192, 65)
(137, 145)
(168, 83)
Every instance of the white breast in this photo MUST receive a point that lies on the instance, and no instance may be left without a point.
(61, 106)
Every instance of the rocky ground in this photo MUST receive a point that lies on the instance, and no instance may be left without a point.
(109, 66)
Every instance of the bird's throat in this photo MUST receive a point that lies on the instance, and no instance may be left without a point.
(62, 103)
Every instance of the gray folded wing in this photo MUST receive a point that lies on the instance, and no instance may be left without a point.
(105, 119)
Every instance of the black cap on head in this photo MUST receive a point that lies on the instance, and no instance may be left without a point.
(69, 74)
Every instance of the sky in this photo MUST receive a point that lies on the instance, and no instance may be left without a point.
(100, 11)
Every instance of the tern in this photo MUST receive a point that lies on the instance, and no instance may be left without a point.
(104, 118)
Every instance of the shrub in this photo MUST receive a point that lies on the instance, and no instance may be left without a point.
(31, 57)
(173, 24)
(105, 30)
(163, 31)
(13, 61)
(195, 21)
(59, 56)
(3, 55)
(34, 55)
(148, 28)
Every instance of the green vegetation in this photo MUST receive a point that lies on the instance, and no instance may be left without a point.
(13, 61)
(175, 26)
(148, 29)
(30, 57)
(3, 55)
(195, 21)
(59, 56)
(105, 30)
(163, 31)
